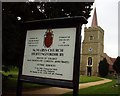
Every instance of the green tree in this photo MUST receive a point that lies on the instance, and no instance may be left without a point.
(41, 10)
(14, 13)
(103, 68)
(116, 67)
(12, 42)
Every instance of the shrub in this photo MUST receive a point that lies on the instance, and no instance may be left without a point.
(103, 68)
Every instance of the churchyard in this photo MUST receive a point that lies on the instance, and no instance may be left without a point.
(107, 89)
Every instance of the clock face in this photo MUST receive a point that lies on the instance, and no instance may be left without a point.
(90, 49)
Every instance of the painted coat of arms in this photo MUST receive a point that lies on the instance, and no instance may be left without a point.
(48, 38)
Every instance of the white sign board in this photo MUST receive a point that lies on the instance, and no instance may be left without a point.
(49, 53)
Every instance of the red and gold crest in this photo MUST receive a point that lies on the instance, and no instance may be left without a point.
(48, 38)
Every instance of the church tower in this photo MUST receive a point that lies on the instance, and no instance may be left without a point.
(92, 48)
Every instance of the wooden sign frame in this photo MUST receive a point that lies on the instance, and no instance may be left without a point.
(68, 22)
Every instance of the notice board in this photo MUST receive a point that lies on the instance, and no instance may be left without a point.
(51, 54)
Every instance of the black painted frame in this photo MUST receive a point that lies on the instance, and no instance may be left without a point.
(68, 22)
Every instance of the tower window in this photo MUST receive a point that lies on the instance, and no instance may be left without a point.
(89, 60)
(91, 37)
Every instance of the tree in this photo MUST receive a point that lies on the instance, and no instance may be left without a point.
(12, 41)
(14, 13)
(42, 10)
(116, 67)
(103, 68)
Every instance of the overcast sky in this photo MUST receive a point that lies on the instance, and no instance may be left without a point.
(107, 15)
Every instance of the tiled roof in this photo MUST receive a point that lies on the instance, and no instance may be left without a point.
(112, 59)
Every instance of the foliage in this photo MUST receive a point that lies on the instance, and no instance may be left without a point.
(9, 72)
(12, 41)
(14, 13)
(116, 65)
(42, 10)
(103, 68)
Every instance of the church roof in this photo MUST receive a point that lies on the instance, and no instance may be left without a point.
(111, 66)
(112, 59)
(94, 19)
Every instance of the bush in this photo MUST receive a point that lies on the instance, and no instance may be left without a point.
(103, 68)
(116, 65)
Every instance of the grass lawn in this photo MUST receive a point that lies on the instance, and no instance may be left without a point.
(11, 83)
(86, 79)
(106, 89)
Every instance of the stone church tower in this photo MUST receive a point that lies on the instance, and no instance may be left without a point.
(92, 48)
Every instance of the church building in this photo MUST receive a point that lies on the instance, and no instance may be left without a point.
(92, 48)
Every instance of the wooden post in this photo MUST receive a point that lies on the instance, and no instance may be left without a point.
(19, 88)
(19, 82)
(77, 61)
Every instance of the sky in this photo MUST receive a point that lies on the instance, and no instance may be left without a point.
(107, 17)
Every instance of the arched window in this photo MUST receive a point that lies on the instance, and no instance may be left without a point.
(89, 60)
